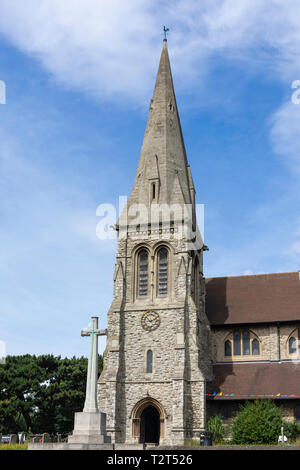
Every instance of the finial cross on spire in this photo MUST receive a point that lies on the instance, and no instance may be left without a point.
(165, 33)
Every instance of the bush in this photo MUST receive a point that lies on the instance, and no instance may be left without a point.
(291, 430)
(216, 426)
(257, 422)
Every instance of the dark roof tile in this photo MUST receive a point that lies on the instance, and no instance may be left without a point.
(255, 379)
(253, 299)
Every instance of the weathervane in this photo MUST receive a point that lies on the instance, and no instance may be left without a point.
(165, 33)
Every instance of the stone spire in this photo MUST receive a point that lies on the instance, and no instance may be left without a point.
(163, 175)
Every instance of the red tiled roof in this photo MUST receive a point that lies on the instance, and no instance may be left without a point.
(253, 299)
(240, 380)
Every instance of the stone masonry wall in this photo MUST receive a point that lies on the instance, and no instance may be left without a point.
(180, 346)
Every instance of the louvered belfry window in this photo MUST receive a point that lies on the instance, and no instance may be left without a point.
(143, 273)
(163, 272)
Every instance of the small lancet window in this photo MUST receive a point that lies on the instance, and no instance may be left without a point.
(294, 342)
(292, 345)
(149, 367)
(246, 343)
(255, 347)
(153, 191)
(228, 348)
(143, 273)
(163, 272)
(237, 343)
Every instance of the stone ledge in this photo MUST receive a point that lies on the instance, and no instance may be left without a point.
(83, 446)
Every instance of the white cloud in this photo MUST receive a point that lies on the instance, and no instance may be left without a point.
(285, 133)
(86, 44)
(110, 48)
(54, 269)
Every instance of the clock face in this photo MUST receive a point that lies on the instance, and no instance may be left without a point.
(150, 320)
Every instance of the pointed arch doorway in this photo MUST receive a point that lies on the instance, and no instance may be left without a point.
(148, 421)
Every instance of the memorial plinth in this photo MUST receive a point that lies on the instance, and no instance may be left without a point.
(89, 428)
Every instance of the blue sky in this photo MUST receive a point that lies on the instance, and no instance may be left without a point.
(79, 76)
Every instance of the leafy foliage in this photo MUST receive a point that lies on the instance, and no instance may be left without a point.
(216, 426)
(20, 379)
(257, 422)
(291, 430)
(41, 393)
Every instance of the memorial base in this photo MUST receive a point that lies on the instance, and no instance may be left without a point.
(89, 428)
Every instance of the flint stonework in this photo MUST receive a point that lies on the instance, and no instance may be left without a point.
(179, 340)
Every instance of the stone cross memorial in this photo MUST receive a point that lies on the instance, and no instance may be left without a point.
(91, 405)
(90, 424)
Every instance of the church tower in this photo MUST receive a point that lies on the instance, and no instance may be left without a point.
(157, 357)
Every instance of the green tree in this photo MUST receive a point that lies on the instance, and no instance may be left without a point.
(291, 430)
(62, 395)
(20, 379)
(41, 393)
(216, 426)
(257, 422)
(45, 400)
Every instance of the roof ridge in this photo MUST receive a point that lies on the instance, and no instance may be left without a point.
(255, 275)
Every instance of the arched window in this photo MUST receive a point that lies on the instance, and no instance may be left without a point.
(294, 343)
(237, 343)
(149, 365)
(228, 348)
(142, 277)
(241, 342)
(246, 343)
(162, 272)
(255, 347)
